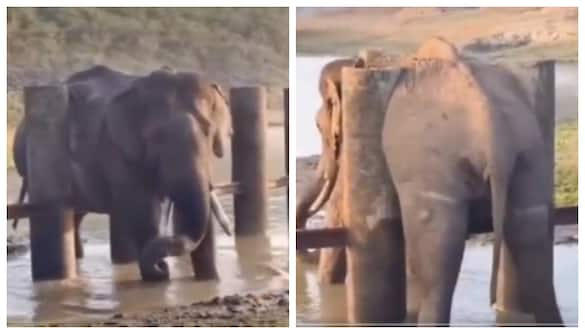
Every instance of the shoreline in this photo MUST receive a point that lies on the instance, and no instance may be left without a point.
(258, 309)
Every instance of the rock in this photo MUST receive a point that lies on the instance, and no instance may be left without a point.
(232, 299)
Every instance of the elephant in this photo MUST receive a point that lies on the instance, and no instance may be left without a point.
(459, 136)
(135, 140)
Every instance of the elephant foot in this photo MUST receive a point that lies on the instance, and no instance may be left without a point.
(202, 274)
(159, 271)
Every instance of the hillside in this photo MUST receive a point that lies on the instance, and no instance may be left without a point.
(234, 46)
(523, 34)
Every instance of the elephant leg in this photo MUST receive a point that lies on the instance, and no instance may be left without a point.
(79, 252)
(414, 293)
(332, 266)
(332, 261)
(123, 247)
(134, 221)
(435, 225)
(203, 257)
(529, 240)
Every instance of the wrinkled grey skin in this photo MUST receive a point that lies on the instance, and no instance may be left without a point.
(135, 140)
(454, 149)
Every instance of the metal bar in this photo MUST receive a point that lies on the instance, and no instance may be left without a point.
(337, 237)
(234, 187)
(17, 211)
(321, 238)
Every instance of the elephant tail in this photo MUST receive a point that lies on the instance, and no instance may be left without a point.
(21, 195)
(499, 204)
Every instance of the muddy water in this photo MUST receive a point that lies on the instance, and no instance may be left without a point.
(102, 289)
(471, 301)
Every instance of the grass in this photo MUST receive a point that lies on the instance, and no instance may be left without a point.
(233, 46)
(566, 164)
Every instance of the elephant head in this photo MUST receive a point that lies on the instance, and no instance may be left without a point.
(328, 119)
(169, 125)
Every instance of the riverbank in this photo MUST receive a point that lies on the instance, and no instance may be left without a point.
(502, 34)
(265, 309)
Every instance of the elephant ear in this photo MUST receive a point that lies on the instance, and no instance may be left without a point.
(333, 93)
(221, 119)
(122, 123)
(137, 110)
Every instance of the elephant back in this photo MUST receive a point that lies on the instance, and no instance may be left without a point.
(90, 92)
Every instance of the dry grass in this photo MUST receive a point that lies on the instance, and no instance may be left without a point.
(399, 30)
(233, 46)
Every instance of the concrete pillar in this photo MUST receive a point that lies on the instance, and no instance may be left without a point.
(248, 106)
(285, 103)
(542, 80)
(52, 232)
(375, 257)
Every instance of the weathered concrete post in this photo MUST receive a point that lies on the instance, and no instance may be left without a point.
(51, 233)
(545, 112)
(248, 105)
(541, 78)
(285, 103)
(375, 257)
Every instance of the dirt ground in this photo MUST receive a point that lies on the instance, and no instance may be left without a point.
(268, 309)
(501, 33)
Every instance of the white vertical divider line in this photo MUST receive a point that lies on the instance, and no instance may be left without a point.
(292, 144)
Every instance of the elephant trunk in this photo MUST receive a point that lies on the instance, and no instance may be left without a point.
(192, 215)
(317, 194)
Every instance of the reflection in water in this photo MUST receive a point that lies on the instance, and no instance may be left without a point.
(253, 252)
(102, 289)
(319, 304)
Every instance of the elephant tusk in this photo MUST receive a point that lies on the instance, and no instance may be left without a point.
(321, 198)
(169, 217)
(219, 214)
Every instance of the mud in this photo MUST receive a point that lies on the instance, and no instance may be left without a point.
(267, 309)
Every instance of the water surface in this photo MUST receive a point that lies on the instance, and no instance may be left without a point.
(102, 289)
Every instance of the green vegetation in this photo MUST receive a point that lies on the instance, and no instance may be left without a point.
(233, 46)
(230, 44)
(566, 164)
